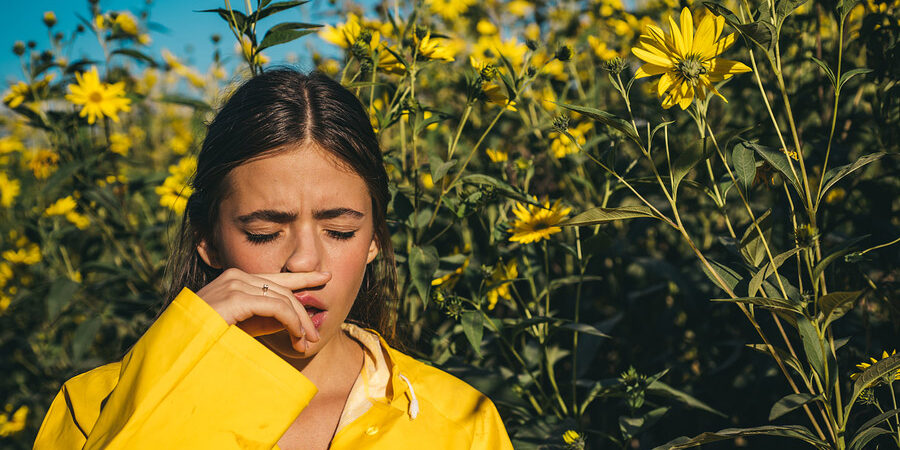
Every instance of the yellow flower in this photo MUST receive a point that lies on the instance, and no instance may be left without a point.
(863, 366)
(502, 272)
(497, 155)
(99, 21)
(244, 48)
(9, 144)
(485, 27)
(549, 65)
(345, 34)
(486, 49)
(16, 94)
(330, 66)
(175, 190)
(9, 190)
(127, 23)
(835, 195)
(534, 223)
(600, 49)
(79, 220)
(27, 252)
(450, 279)
(449, 9)
(61, 207)
(519, 8)
(6, 273)
(43, 163)
(427, 181)
(561, 145)
(22, 91)
(119, 143)
(432, 49)
(98, 99)
(687, 58)
(14, 424)
(571, 436)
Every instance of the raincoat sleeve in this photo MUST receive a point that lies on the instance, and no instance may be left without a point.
(192, 381)
(490, 433)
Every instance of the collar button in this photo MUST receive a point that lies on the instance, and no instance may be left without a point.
(372, 431)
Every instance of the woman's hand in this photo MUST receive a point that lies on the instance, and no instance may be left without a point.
(239, 298)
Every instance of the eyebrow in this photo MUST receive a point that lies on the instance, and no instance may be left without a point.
(282, 217)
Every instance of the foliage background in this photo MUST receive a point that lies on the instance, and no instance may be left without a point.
(80, 287)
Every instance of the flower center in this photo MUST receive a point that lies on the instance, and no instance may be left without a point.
(95, 97)
(690, 69)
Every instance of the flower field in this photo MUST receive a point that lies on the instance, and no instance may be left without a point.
(631, 225)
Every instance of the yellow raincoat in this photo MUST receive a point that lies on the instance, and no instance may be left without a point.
(193, 381)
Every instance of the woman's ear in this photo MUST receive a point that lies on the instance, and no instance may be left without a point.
(208, 254)
(373, 251)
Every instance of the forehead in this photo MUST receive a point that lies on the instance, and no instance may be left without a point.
(301, 178)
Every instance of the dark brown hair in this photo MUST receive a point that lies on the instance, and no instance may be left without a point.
(279, 109)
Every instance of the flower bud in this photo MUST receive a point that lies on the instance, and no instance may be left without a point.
(19, 48)
(49, 19)
(216, 38)
(561, 123)
(532, 44)
(563, 53)
(615, 65)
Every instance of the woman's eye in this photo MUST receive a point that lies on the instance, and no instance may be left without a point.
(341, 235)
(260, 238)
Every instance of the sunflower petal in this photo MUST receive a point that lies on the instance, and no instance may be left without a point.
(649, 70)
(677, 38)
(722, 69)
(687, 29)
(665, 82)
(651, 57)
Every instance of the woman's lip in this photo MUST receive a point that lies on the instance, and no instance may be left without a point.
(309, 301)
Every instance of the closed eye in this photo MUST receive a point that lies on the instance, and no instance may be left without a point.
(261, 238)
(340, 235)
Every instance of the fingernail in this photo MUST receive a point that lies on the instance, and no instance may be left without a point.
(325, 274)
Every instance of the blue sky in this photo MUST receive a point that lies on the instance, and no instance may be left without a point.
(187, 33)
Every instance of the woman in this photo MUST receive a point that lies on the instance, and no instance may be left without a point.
(284, 249)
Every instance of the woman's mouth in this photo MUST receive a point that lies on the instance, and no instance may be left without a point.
(316, 315)
(314, 307)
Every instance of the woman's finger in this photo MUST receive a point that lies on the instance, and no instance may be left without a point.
(265, 306)
(276, 289)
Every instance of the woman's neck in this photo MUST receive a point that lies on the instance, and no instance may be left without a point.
(333, 365)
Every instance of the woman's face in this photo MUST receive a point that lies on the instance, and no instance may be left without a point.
(299, 211)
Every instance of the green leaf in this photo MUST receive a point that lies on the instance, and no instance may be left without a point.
(861, 439)
(606, 119)
(281, 37)
(845, 6)
(659, 388)
(84, 336)
(785, 8)
(440, 168)
(686, 161)
(846, 76)
(791, 402)
(767, 270)
(239, 18)
(728, 275)
(875, 420)
(779, 161)
(751, 243)
(61, 292)
(137, 55)
(774, 304)
(836, 304)
(584, 328)
(840, 251)
(834, 175)
(631, 426)
(824, 66)
(473, 327)
(423, 261)
(744, 165)
(789, 431)
(502, 187)
(872, 374)
(812, 346)
(275, 8)
(599, 215)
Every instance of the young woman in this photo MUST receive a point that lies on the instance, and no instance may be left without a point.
(285, 260)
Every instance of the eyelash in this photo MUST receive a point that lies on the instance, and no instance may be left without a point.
(264, 238)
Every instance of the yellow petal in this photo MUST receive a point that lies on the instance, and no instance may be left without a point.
(704, 36)
(649, 70)
(651, 57)
(722, 69)
(665, 82)
(687, 29)
(677, 38)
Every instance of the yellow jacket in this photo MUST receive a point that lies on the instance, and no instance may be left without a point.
(192, 381)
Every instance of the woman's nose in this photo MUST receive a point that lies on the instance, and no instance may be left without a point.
(306, 254)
